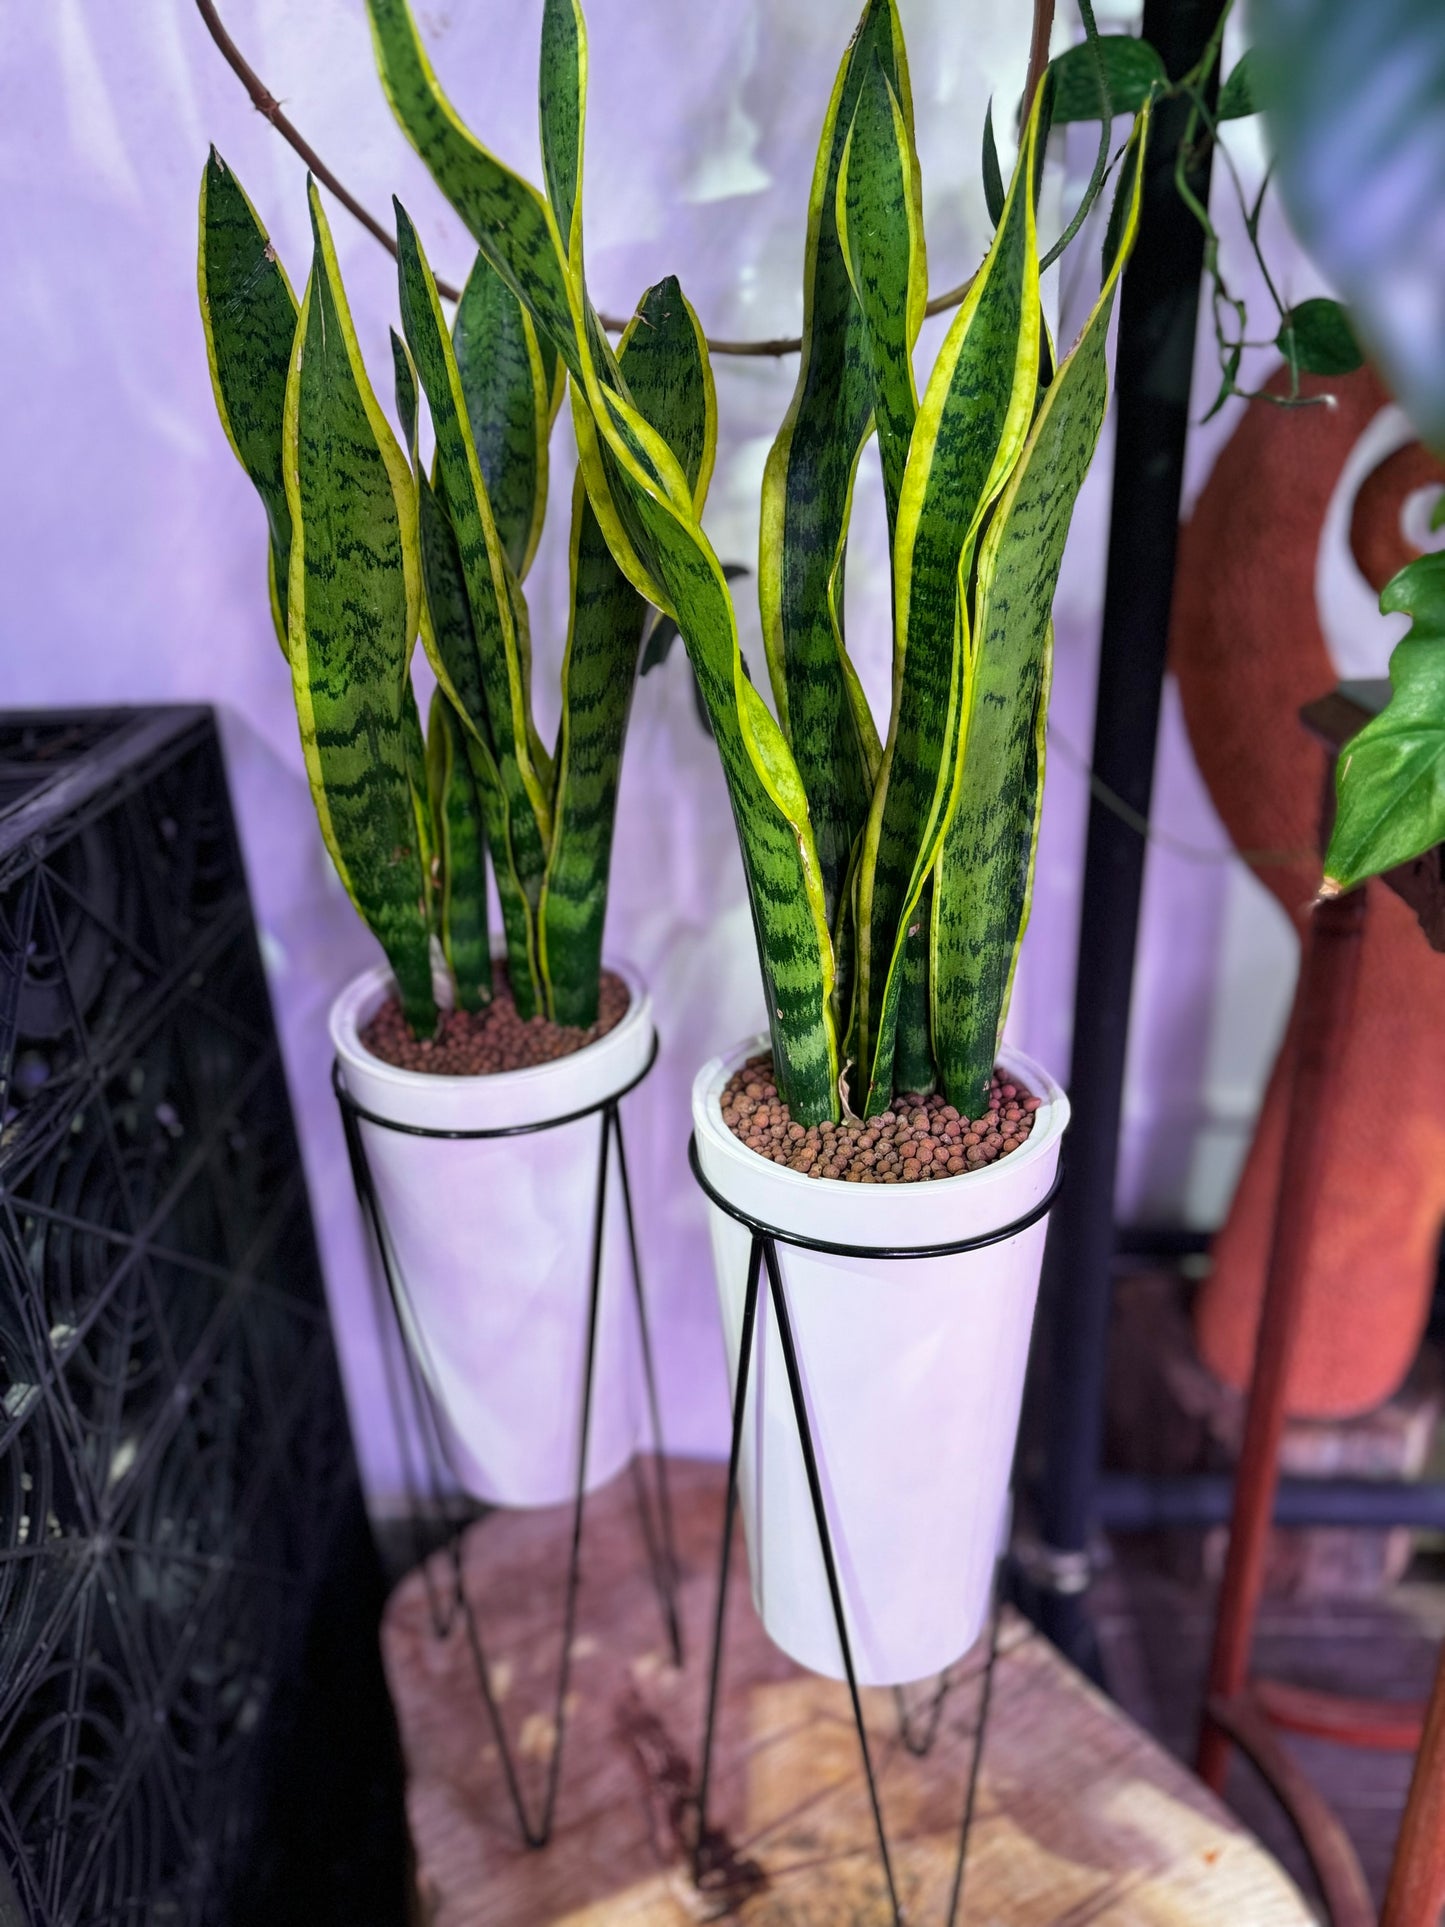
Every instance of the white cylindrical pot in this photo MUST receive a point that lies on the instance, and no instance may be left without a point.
(912, 1372)
(493, 1242)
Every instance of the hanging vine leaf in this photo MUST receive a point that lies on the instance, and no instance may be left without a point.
(1238, 97)
(249, 315)
(353, 596)
(1390, 780)
(1317, 338)
(1132, 68)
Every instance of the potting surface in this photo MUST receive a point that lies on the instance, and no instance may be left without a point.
(1081, 1817)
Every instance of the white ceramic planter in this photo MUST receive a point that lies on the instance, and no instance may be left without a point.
(913, 1374)
(493, 1239)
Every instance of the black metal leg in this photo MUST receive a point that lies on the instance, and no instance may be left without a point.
(764, 1251)
(663, 1554)
(701, 1865)
(825, 1541)
(430, 1428)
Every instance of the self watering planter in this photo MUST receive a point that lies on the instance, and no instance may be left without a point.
(492, 1235)
(911, 1374)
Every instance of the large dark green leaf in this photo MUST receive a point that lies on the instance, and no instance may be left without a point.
(808, 483)
(1132, 70)
(460, 859)
(664, 360)
(971, 427)
(249, 315)
(1318, 338)
(354, 590)
(492, 598)
(509, 407)
(1354, 98)
(1390, 781)
(985, 864)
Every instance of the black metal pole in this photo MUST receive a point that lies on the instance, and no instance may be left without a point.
(1157, 312)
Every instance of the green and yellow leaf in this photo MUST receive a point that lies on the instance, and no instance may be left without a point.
(983, 879)
(509, 407)
(808, 482)
(249, 314)
(770, 808)
(461, 893)
(451, 646)
(971, 426)
(664, 360)
(491, 596)
(353, 599)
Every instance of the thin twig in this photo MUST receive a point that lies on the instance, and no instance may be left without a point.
(265, 103)
(1038, 53)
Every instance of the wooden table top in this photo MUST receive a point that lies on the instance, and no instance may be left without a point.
(1081, 1816)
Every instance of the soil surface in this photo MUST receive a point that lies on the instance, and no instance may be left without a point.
(918, 1139)
(478, 1043)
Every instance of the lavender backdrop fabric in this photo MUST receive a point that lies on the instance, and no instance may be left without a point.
(134, 561)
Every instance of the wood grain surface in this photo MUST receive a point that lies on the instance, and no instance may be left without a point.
(1081, 1817)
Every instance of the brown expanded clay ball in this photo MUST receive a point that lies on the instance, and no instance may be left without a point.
(478, 1043)
(917, 1138)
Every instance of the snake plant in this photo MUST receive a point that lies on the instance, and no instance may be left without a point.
(889, 874)
(369, 548)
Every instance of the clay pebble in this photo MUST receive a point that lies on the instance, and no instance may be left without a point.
(479, 1043)
(916, 1140)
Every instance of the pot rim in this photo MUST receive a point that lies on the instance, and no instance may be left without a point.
(533, 1090)
(795, 1198)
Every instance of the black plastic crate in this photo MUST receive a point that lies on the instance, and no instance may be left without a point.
(180, 1525)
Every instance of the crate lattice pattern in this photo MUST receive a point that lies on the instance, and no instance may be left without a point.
(172, 1438)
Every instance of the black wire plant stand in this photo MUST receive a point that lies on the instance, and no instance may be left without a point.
(917, 1735)
(422, 1431)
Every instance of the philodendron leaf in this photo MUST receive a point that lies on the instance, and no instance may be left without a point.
(1132, 70)
(490, 595)
(249, 315)
(353, 598)
(1238, 97)
(971, 427)
(1390, 780)
(461, 893)
(985, 866)
(509, 407)
(1317, 337)
(1354, 114)
(664, 361)
(808, 483)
